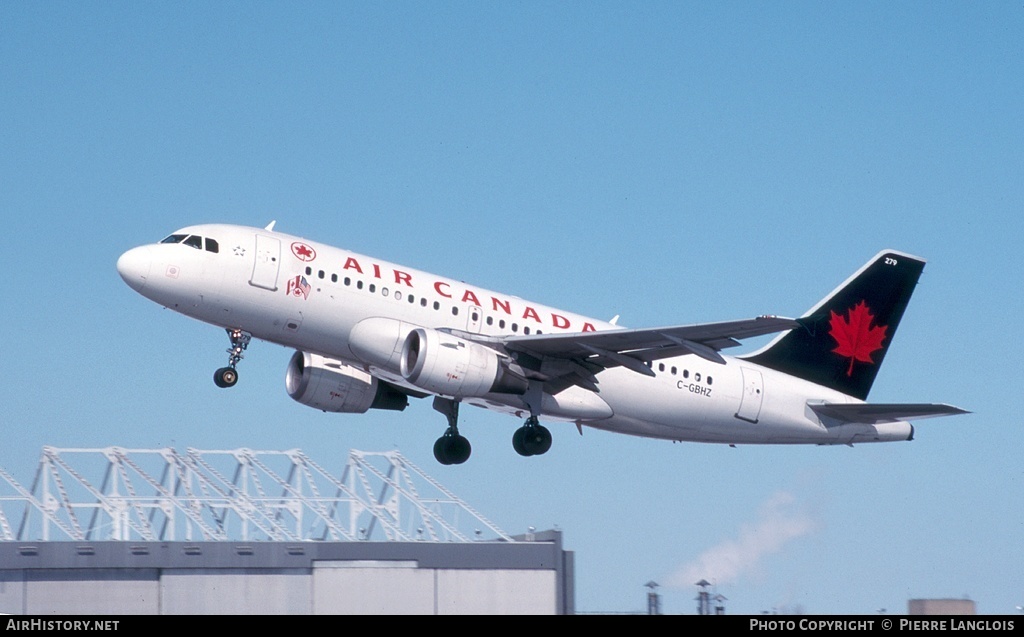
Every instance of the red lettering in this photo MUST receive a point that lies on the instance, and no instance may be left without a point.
(498, 304)
(559, 321)
(531, 313)
(352, 264)
(403, 277)
(469, 297)
(376, 270)
(437, 288)
(587, 327)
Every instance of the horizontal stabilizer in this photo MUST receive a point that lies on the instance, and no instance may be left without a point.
(876, 413)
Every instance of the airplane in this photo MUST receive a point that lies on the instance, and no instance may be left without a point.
(370, 334)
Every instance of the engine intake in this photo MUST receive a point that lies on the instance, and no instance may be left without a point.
(445, 364)
(329, 385)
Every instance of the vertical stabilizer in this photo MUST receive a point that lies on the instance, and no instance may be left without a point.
(845, 337)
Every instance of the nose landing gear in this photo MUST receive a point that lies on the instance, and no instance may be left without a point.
(228, 376)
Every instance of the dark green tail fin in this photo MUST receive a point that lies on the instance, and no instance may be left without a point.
(845, 337)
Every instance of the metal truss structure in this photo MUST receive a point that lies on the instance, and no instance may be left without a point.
(236, 495)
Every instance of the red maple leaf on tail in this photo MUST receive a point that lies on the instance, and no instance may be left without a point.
(855, 336)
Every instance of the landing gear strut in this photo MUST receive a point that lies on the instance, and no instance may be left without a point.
(228, 376)
(451, 448)
(532, 439)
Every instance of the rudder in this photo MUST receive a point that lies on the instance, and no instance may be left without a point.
(845, 336)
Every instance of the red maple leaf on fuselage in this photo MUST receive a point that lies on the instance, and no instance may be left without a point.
(855, 336)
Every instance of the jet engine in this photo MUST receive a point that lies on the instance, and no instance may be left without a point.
(378, 341)
(328, 385)
(445, 364)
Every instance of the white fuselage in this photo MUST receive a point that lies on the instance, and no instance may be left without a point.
(310, 296)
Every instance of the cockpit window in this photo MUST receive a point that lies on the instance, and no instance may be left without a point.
(194, 241)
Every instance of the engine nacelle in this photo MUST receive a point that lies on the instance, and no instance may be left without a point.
(329, 385)
(445, 364)
(378, 341)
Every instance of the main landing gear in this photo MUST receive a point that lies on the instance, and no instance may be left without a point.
(228, 376)
(532, 439)
(451, 448)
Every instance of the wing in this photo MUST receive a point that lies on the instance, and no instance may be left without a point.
(873, 414)
(561, 360)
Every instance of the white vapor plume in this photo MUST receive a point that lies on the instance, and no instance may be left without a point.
(780, 521)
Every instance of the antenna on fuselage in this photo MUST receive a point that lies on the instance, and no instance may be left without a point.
(615, 320)
(270, 226)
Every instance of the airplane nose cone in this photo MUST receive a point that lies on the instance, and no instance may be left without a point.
(133, 266)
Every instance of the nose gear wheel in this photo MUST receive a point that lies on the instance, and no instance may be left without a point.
(225, 377)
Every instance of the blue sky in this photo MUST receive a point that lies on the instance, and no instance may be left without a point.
(668, 162)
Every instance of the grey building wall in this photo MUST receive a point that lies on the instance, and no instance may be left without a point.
(235, 592)
(90, 591)
(122, 578)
